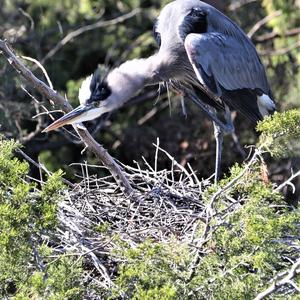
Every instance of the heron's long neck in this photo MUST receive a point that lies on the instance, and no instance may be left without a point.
(127, 80)
(141, 71)
(133, 75)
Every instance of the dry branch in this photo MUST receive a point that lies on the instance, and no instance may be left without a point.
(289, 183)
(281, 51)
(272, 35)
(238, 4)
(42, 167)
(263, 21)
(281, 280)
(99, 24)
(60, 101)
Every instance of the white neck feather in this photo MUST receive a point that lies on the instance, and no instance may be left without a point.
(128, 79)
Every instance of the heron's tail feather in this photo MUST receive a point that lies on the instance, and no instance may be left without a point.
(249, 103)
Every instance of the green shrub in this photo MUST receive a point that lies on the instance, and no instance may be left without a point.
(281, 133)
(27, 212)
(243, 251)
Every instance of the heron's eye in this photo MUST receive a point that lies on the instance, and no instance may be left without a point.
(104, 92)
(96, 103)
(101, 92)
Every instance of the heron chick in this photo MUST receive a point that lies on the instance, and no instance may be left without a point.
(204, 55)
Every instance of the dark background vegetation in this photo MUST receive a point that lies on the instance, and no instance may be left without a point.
(35, 27)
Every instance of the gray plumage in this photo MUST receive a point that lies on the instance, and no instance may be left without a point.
(202, 54)
(222, 57)
(227, 61)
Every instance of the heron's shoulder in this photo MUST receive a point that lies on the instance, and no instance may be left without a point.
(219, 22)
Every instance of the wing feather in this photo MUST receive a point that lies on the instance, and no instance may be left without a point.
(230, 68)
(234, 64)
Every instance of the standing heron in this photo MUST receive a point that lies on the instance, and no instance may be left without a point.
(203, 55)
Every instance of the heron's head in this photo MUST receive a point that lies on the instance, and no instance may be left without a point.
(98, 96)
(94, 95)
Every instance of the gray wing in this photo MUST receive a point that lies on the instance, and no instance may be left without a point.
(230, 68)
(225, 61)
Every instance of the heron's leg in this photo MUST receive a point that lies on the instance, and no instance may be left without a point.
(225, 127)
(220, 129)
(219, 135)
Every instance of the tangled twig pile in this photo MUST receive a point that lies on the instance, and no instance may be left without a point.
(167, 204)
(161, 208)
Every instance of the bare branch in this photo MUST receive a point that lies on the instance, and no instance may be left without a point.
(238, 4)
(42, 167)
(279, 282)
(60, 101)
(70, 36)
(28, 16)
(264, 21)
(42, 68)
(272, 35)
(281, 51)
(288, 182)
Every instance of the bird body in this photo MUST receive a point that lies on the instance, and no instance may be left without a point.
(223, 58)
(203, 54)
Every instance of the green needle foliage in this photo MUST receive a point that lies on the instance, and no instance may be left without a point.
(246, 250)
(152, 271)
(281, 133)
(27, 212)
(62, 281)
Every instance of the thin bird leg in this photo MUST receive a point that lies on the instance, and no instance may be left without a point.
(219, 135)
(225, 127)
(220, 129)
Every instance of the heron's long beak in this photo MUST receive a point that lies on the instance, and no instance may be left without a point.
(78, 115)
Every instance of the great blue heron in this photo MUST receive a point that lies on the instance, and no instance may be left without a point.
(202, 54)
